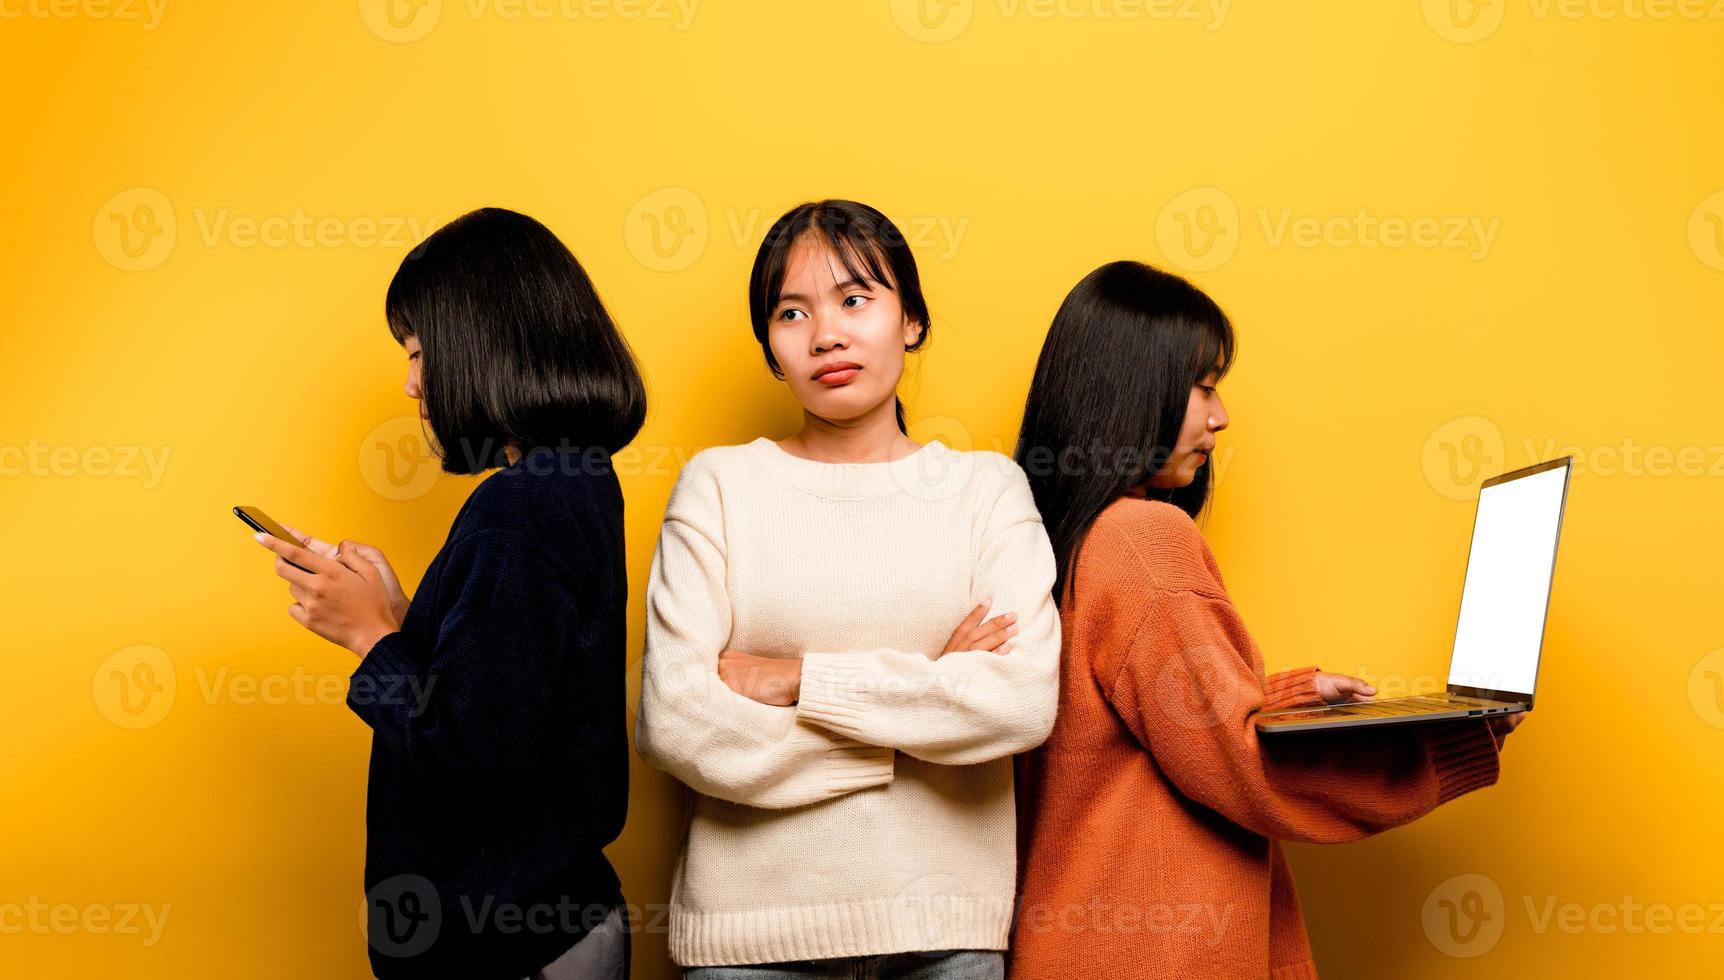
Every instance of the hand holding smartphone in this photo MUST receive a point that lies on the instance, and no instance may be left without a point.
(257, 520)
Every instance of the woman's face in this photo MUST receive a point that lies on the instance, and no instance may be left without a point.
(839, 343)
(414, 358)
(1204, 417)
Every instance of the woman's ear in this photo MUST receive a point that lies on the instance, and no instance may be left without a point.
(912, 332)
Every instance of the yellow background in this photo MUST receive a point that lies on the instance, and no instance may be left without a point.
(1375, 386)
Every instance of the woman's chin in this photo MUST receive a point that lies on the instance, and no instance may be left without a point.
(1175, 480)
(842, 404)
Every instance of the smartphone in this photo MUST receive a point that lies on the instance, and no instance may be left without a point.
(257, 520)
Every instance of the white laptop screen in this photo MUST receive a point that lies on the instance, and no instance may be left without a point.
(1508, 582)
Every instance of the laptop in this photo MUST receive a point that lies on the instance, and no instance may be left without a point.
(1493, 669)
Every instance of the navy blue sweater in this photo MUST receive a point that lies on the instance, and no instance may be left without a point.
(499, 754)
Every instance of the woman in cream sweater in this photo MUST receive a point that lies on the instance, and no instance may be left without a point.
(849, 634)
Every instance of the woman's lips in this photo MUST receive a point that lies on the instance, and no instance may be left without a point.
(833, 379)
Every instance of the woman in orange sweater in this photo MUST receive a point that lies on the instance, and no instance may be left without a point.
(1150, 820)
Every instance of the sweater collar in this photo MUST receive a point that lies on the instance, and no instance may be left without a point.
(933, 470)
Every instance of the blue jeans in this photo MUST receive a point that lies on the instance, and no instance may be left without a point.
(945, 964)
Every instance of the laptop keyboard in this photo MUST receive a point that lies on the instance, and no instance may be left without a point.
(1399, 706)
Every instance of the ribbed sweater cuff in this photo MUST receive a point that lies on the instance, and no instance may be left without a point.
(855, 765)
(1464, 755)
(835, 691)
(1291, 689)
(385, 667)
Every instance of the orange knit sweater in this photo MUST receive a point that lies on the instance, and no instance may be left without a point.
(1150, 821)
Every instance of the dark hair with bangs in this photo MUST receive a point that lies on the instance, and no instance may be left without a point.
(869, 245)
(516, 345)
(1109, 397)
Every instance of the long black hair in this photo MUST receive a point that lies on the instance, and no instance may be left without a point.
(516, 345)
(866, 241)
(1109, 396)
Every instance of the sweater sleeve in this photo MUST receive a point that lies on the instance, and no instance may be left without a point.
(1187, 686)
(967, 706)
(691, 724)
(1295, 688)
(475, 698)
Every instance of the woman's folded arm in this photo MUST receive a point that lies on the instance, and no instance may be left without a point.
(967, 706)
(691, 724)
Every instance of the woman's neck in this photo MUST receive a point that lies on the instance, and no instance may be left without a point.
(874, 438)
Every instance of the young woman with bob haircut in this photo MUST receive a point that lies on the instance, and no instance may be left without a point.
(499, 753)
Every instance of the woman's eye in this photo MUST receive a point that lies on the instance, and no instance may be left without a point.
(791, 314)
(858, 297)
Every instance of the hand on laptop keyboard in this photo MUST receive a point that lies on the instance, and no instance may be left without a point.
(1336, 688)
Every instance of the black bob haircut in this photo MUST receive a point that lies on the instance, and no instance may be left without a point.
(869, 245)
(516, 345)
(1109, 397)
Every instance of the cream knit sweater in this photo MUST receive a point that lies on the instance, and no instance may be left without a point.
(876, 815)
